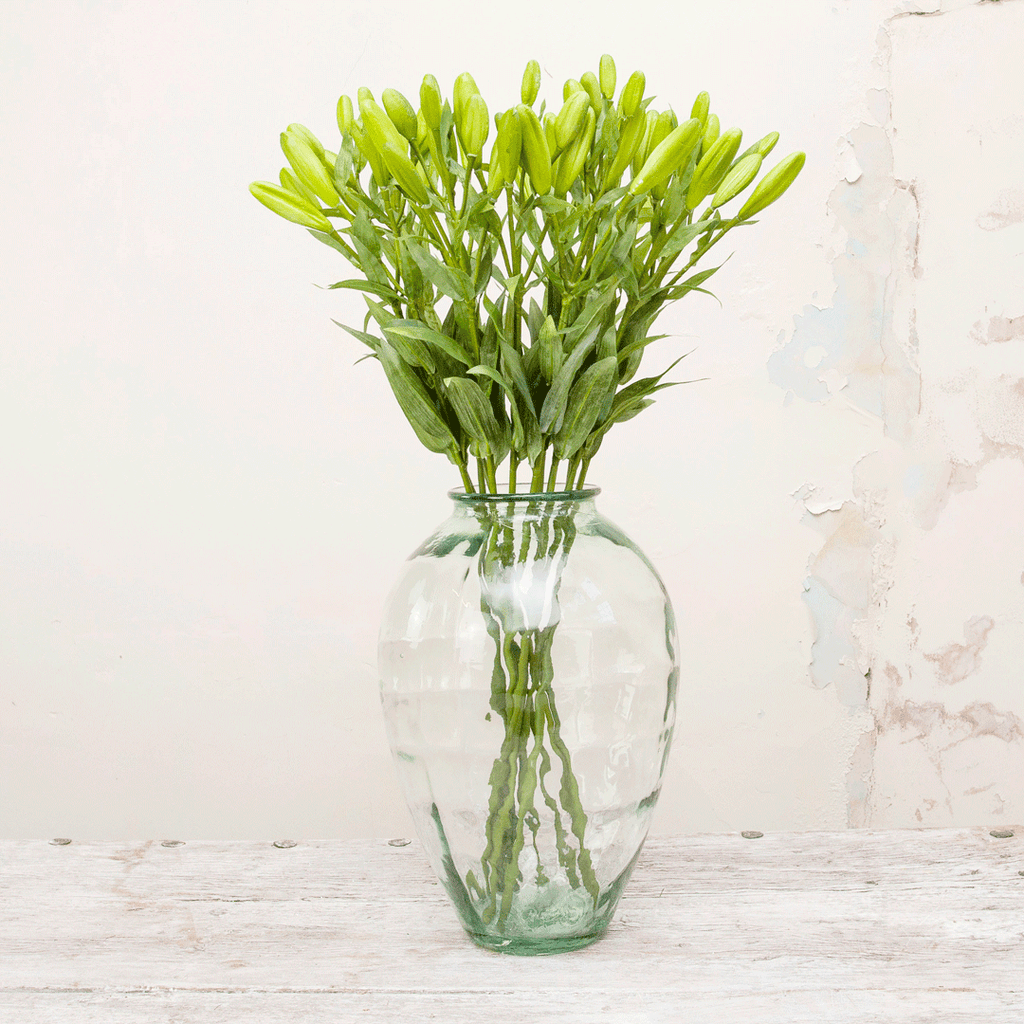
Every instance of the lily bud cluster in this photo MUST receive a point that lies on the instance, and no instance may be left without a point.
(495, 273)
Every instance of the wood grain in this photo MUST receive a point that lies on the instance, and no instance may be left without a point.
(894, 926)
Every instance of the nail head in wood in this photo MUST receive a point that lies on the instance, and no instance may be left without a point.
(60, 842)
(1001, 833)
(752, 834)
(399, 842)
(285, 844)
(173, 842)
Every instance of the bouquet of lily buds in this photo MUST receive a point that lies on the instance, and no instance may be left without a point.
(510, 295)
(514, 290)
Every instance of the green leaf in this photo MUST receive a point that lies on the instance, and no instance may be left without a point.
(416, 403)
(534, 319)
(366, 339)
(584, 406)
(553, 410)
(633, 410)
(682, 237)
(413, 330)
(378, 312)
(330, 240)
(363, 231)
(451, 281)
(642, 342)
(692, 283)
(410, 348)
(518, 435)
(367, 286)
(512, 364)
(342, 170)
(592, 312)
(485, 259)
(474, 412)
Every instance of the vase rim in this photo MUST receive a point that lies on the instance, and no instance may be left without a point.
(459, 495)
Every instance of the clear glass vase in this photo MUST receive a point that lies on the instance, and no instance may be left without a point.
(528, 673)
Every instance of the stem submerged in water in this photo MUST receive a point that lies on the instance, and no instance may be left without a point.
(523, 693)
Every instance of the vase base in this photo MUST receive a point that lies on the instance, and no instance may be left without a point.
(520, 945)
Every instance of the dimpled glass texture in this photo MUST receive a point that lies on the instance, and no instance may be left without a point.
(528, 671)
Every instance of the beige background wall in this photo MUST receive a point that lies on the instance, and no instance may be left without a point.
(202, 502)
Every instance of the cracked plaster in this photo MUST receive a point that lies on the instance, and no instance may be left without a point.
(920, 330)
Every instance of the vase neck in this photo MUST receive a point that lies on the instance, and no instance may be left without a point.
(545, 505)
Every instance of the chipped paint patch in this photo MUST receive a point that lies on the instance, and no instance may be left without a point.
(956, 662)
(935, 766)
(1007, 209)
(998, 330)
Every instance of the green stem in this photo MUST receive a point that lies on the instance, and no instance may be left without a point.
(537, 484)
(467, 480)
(570, 473)
(553, 475)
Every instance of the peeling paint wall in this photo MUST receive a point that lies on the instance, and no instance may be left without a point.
(947, 637)
(934, 530)
(197, 535)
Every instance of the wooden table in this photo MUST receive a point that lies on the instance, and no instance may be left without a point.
(897, 926)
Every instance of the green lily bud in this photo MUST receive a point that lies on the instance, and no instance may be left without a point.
(475, 125)
(629, 139)
(293, 185)
(363, 95)
(549, 347)
(290, 206)
(573, 160)
(607, 76)
(509, 144)
(495, 175)
(464, 87)
(399, 109)
(365, 145)
(667, 157)
(571, 86)
(571, 118)
(762, 147)
(308, 167)
(713, 166)
(531, 83)
(773, 184)
(549, 132)
(712, 130)
(737, 178)
(632, 94)
(308, 137)
(345, 114)
(536, 153)
(701, 107)
(430, 102)
(646, 142)
(666, 124)
(379, 126)
(592, 88)
(422, 131)
(404, 171)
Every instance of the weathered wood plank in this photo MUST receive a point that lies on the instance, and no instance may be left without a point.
(897, 926)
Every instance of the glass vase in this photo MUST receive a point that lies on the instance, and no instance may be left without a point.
(528, 672)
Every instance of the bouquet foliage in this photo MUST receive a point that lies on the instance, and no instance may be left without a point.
(513, 290)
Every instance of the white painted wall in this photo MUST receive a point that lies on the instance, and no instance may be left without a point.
(202, 502)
